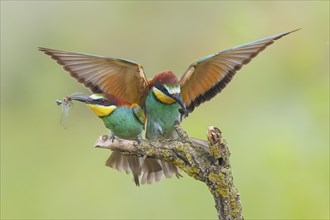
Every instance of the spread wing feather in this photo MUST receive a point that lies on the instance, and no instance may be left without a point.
(122, 78)
(206, 77)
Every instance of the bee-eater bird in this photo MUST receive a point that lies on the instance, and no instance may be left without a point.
(124, 120)
(165, 97)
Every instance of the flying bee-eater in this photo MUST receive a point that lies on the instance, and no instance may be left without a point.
(165, 97)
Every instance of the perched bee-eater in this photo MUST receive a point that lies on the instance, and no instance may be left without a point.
(164, 98)
(124, 120)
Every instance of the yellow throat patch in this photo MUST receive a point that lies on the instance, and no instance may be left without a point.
(162, 97)
(102, 111)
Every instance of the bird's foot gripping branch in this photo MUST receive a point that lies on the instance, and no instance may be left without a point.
(210, 165)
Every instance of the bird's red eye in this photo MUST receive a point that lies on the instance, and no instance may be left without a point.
(102, 101)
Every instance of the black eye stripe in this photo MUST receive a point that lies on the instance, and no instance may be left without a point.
(103, 102)
(162, 88)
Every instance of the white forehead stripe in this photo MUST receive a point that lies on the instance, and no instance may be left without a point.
(96, 96)
(173, 90)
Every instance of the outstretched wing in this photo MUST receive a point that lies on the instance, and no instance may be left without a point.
(122, 78)
(209, 75)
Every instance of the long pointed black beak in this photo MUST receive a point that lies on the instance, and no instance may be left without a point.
(184, 111)
(80, 97)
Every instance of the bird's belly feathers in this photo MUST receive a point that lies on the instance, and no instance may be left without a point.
(160, 118)
(123, 123)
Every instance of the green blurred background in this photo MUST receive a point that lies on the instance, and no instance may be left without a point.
(274, 114)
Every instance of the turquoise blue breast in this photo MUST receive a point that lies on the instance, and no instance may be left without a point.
(123, 123)
(161, 117)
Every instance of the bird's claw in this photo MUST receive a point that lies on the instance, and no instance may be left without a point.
(163, 134)
(112, 137)
(184, 113)
(138, 140)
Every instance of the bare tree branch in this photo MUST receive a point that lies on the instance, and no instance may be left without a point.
(210, 166)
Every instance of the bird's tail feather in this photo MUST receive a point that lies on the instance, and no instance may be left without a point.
(150, 170)
(169, 169)
(154, 170)
(127, 163)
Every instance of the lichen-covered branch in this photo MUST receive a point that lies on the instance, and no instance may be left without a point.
(208, 164)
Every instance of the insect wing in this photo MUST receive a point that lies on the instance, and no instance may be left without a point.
(65, 113)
